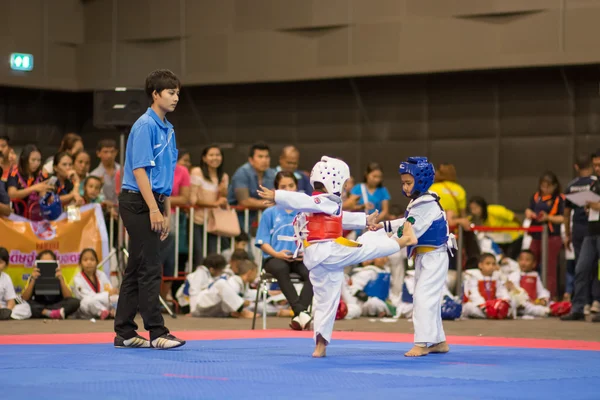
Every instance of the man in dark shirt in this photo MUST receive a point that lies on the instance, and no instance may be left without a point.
(4, 199)
(576, 226)
(587, 264)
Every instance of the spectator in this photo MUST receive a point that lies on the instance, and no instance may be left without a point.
(278, 255)
(65, 188)
(587, 261)
(50, 306)
(576, 224)
(4, 200)
(27, 182)
(496, 216)
(289, 160)
(209, 190)
(242, 242)
(371, 195)
(547, 207)
(81, 165)
(453, 196)
(9, 309)
(5, 162)
(246, 180)
(71, 143)
(92, 188)
(107, 152)
(180, 197)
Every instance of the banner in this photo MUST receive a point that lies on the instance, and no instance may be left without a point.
(24, 239)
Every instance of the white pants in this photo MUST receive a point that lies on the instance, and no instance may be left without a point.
(535, 310)
(326, 262)
(470, 310)
(404, 310)
(21, 311)
(219, 300)
(374, 306)
(92, 306)
(431, 270)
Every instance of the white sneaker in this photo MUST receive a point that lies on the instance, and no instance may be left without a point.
(301, 321)
(595, 308)
(586, 309)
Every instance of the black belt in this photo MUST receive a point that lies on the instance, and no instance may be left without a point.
(158, 196)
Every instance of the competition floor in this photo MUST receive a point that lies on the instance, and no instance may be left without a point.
(276, 364)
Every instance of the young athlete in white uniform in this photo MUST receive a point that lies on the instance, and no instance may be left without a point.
(318, 229)
(428, 220)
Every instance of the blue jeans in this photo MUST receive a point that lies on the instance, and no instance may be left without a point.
(586, 273)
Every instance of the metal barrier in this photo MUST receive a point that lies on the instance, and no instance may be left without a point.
(460, 237)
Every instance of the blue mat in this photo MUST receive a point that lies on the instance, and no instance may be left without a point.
(283, 369)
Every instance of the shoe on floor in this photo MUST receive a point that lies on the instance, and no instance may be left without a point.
(301, 321)
(573, 316)
(595, 308)
(57, 314)
(166, 341)
(135, 342)
(586, 309)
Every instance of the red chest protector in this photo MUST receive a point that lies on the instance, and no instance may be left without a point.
(487, 289)
(528, 283)
(323, 226)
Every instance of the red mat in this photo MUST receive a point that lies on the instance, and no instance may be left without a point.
(107, 337)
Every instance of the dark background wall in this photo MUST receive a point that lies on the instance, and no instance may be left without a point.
(90, 44)
(501, 129)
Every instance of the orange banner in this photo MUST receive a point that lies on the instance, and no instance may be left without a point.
(24, 239)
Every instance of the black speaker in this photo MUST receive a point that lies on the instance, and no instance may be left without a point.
(119, 107)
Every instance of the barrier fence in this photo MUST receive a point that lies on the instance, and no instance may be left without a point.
(190, 211)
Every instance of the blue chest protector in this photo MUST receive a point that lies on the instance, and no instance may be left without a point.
(379, 287)
(436, 235)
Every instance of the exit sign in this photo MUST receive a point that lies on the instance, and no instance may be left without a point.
(21, 62)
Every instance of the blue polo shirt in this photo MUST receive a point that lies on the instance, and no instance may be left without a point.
(276, 221)
(151, 145)
(246, 177)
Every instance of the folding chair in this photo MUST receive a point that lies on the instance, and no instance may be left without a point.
(264, 283)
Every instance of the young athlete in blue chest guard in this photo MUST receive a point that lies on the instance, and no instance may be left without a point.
(429, 225)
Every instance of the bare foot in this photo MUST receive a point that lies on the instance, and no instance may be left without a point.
(320, 348)
(248, 314)
(382, 314)
(285, 313)
(441, 347)
(417, 351)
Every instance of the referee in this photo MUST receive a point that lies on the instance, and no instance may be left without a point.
(148, 172)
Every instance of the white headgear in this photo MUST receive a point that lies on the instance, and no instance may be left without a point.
(332, 173)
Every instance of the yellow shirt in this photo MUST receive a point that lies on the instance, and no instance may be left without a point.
(452, 196)
(501, 217)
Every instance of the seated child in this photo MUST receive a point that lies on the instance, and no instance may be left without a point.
(9, 309)
(529, 295)
(348, 301)
(485, 294)
(93, 288)
(49, 306)
(241, 243)
(371, 286)
(210, 295)
(236, 258)
(240, 282)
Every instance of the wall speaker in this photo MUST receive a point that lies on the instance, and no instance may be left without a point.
(119, 107)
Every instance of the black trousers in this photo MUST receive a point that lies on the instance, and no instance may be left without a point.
(281, 269)
(70, 304)
(142, 277)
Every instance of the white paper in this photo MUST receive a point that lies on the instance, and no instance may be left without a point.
(582, 198)
(594, 215)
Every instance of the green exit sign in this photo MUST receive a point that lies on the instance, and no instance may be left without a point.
(21, 62)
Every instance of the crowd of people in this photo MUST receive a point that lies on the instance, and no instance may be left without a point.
(501, 278)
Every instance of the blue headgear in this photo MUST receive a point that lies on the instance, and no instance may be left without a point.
(50, 210)
(422, 171)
